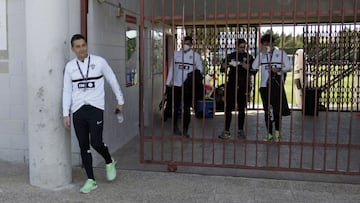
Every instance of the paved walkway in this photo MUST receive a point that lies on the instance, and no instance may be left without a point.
(138, 186)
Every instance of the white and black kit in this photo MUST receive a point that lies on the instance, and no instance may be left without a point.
(83, 97)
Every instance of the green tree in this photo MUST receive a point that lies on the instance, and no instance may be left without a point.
(288, 42)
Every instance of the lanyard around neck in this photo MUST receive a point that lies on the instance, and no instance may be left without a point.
(267, 57)
(87, 71)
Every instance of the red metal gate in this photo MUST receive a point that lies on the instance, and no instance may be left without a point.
(325, 79)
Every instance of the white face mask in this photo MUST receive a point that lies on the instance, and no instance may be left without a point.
(186, 47)
(268, 49)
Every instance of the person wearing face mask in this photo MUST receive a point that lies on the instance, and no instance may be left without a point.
(185, 64)
(274, 63)
(237, 65)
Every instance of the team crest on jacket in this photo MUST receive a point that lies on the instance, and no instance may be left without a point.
(190, 57)
(92, 66)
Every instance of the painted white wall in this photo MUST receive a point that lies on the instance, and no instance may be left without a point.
(13, 116)
(106, 38)
(3, 25)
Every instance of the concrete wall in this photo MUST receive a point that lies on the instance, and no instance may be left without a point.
(13, 125)
(13, 88)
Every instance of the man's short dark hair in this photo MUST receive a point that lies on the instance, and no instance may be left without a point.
(240, 41)
(188, 38)
(77, 37)
(267, 38)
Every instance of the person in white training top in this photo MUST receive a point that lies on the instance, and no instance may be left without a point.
(274, 64)
(83, 97)
(182, 69)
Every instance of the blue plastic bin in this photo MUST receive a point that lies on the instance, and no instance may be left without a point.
(209, 108)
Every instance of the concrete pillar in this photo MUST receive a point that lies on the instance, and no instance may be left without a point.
(47, 50)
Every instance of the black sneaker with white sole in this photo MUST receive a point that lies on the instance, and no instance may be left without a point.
(225, 135)
(241, 135)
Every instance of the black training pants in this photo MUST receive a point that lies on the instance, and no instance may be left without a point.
(88, 123)
(241, 100)
(178, 102)
(274, 101)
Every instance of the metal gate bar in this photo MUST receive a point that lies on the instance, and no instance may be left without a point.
(324, 142)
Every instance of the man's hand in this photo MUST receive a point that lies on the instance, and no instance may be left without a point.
(170, 84)
(67, 122)
(275, 70)
(119, 107)
(245, 65)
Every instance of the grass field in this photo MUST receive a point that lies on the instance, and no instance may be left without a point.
(341, 92)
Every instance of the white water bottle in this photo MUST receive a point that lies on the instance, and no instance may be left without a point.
(119, 116)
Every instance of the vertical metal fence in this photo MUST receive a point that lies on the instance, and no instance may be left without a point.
(332, 65)
(323, 90)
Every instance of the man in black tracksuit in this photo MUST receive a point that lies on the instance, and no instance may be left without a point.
(239, 64)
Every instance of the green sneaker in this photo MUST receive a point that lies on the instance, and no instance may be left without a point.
(277, 136)
(268, 137)
(89, 185)
(111, 171)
